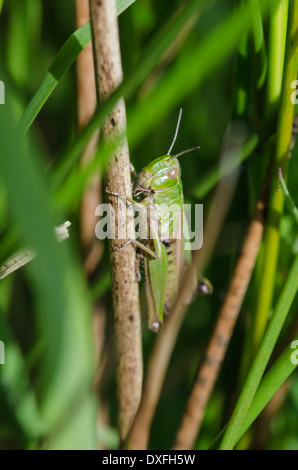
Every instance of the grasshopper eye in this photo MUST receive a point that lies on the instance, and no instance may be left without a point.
(173, 173)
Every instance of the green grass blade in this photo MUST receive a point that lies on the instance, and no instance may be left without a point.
(276, 201)
(187, 74)
(122, 5)
(199, 62)
(211, 178)
(290, 203)
(276, 53)
(241, 89)
(65, 58)
(259, 365)
(18, 399)
(64, 317)
(271, 383)
(281, 370)
(259, 45)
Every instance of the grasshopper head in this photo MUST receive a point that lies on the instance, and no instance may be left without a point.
(161, 174)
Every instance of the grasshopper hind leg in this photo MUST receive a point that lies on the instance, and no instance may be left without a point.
(167, 308)
(156, 326)
(204, 287)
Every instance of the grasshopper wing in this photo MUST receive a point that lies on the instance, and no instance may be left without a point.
(156, 278)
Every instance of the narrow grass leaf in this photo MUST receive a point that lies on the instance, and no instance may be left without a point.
(68, 53)
(259, 365)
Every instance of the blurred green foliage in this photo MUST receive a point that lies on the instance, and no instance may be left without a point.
(46, 393)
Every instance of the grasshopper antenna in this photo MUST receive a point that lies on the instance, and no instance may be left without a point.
(183, 152)
(176, 132)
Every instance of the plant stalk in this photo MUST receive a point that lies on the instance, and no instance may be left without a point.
(281, 155)
(108, 72)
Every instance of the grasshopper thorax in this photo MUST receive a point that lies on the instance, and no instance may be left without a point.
(160, 175)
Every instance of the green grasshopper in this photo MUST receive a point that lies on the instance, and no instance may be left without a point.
(164, 258)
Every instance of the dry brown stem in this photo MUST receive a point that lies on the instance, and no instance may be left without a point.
(86, 105)
(210, 367)
(108, 72)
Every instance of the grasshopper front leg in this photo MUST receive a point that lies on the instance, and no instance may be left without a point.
(133, 171)
(124, 196)
(139, 245)
(134, 242)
